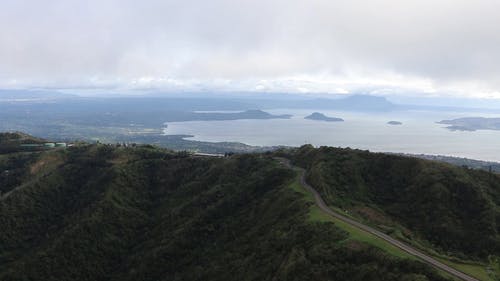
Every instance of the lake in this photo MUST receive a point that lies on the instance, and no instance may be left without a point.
(418, 134)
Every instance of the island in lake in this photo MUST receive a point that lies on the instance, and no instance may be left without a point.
(220, 116)
(472, 124)
(394, 123)
(321, 117)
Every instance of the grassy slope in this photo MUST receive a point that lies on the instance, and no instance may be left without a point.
(316, 214)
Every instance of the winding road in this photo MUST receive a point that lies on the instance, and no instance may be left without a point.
(405, 247)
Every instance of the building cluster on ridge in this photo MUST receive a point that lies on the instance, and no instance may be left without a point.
(47, 145)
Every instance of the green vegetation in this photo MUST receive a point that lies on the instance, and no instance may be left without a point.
(14, 169)
(451, 212)
(477, 270)
(316, 214)
(462, 162)
(180, 143)
(143, 213)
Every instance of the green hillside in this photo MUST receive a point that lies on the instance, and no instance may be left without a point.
(95, 212)
(448, 210)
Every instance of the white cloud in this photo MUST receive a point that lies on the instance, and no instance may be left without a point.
(435, 47)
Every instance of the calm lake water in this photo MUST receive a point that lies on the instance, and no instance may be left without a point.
(418, 134)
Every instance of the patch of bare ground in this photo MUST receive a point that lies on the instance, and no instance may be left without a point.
(46, 161)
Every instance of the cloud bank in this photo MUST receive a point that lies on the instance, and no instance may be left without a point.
(439, 47)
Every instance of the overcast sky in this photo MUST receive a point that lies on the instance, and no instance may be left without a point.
(424, 47)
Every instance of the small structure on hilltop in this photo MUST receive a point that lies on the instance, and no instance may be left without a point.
(31, 145)
(49, 145)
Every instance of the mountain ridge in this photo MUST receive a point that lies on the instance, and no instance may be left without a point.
(106, 212)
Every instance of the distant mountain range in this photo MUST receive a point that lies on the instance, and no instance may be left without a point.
(345, 103)
(239, 101)
(51, 114)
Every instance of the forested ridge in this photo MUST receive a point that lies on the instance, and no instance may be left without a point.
(454, 210)
(96, 212)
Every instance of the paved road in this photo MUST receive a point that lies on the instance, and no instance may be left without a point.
(405, 247)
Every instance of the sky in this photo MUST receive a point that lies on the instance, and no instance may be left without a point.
(387, 47)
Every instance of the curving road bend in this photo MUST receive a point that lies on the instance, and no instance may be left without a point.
(409, 249)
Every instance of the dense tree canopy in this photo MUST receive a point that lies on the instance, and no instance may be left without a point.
(104, 213)
(455, 209)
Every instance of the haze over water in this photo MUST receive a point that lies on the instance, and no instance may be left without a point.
(418, 134)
